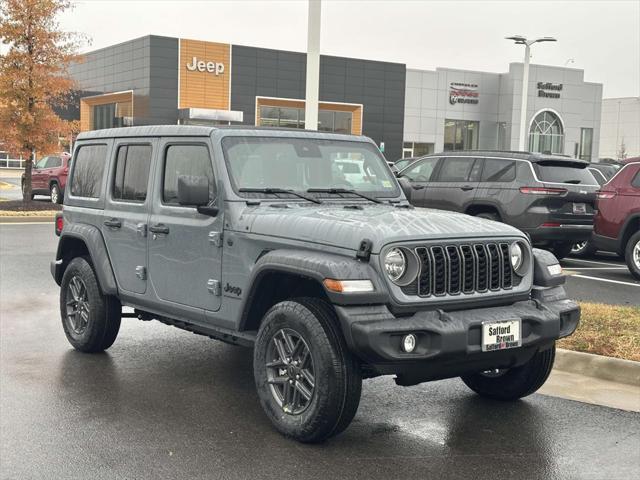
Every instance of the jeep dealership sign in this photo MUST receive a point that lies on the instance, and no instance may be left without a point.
(203, 66)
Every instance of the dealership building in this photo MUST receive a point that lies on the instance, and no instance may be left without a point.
(408, 112)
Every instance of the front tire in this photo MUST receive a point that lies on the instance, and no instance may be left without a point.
(513, 383)
(90, 320)
(308, 383)
(632, 255)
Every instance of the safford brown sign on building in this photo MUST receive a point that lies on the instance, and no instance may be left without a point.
(204, 75)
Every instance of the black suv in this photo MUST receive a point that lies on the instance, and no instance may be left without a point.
(550, 198)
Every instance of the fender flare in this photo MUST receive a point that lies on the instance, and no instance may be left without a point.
(315, 266)
(92, 238)
(485, 203)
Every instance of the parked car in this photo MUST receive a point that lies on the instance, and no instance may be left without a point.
(49, 176)
(617, 221)
(252, 236)
(550, 198)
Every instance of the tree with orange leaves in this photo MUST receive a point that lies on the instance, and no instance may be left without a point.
(34, 78)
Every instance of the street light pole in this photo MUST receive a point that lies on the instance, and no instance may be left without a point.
(520, 40)
(313, 67)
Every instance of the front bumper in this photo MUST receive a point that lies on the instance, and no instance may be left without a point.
(449, 343)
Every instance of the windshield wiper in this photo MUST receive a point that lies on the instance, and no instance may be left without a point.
(343, 190)
(280, 190)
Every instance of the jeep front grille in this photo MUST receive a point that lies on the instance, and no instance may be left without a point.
(462, 269)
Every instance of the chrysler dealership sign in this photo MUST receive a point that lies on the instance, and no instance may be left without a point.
(463, 93)
(202, 66)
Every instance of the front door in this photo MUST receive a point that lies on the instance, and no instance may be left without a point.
(126, 212)
(185, 254)
(419, 175)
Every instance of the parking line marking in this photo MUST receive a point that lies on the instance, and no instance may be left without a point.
(593, 261)
(577, 275)
(597, 268)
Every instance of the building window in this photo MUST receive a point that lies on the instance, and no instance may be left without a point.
(417, 149)
(110, 115)
(546, 134)
(460, 135)
(289, 117)
(586, 143)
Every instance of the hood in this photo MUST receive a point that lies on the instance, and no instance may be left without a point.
(343, 227)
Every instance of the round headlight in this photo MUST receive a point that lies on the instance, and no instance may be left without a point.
(517, 256)
(395, 264)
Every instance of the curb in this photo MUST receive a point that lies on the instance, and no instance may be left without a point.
(27, 219)
(598, 366)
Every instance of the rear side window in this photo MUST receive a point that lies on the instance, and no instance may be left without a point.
(185, 160)
(498, 170)
(636, 180)
(455, 169)
(132, 173)
(558, 173)
(88, 171)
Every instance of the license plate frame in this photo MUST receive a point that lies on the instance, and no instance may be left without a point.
(579, 208)
(514, 326)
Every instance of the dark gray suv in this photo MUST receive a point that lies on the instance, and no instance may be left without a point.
(550, 198)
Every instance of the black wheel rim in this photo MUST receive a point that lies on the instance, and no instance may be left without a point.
(290, 371)
(77, 305)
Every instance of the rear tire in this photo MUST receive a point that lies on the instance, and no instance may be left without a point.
(583, 249)
(561, 250)
(90, 320)
(632, 255)
(334, 392)
(516, 382)
(56, 195)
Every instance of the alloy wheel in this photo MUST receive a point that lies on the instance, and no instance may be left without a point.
(290, 371)
(54, 194)
(77, 305)
(579, 247)
(636, 254)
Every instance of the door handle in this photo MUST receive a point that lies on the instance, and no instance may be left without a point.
(417, 187)
(466, 188)
(159, 228)
(113, 223)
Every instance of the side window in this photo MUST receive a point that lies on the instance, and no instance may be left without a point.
(498, 170)
(455, 169)
(185, 160)
(422, 170)
(132, 173)
(636, 180)
(88, 171)
(42, 163)
(54, 162)
(598, 175)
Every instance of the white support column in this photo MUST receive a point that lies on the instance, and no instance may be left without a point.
(313, 67)
(522, 145)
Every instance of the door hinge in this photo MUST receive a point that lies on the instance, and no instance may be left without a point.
(214, 287)
(215, 238)
(141, 272)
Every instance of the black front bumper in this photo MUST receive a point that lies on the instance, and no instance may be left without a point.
(449, 343)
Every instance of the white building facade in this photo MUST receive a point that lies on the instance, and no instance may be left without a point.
(448, 110)
(620, 127)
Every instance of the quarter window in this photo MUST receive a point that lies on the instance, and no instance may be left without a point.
(192, 160)
(88, 171)
(455, 169)
(636, 180)
(498, 170)
(132, 173)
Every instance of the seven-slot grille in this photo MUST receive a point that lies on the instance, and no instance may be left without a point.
(460, 269)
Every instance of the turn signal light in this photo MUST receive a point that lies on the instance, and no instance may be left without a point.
(543, 191)
(348, 286)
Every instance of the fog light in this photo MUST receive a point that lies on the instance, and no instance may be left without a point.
(409, 343)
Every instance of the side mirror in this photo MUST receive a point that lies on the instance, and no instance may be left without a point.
(193, 191)
(405, 184)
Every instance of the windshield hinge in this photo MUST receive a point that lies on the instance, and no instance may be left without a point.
(364, 250)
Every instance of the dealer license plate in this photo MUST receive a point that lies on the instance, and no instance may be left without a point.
(579, 208)
(501, 335)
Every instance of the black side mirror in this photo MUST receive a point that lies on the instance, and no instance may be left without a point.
(193, 191)
(405, 184)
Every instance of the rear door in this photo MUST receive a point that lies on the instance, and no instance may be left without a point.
(577, 205)
(497, 186)
(126, 212)
(453, 187)
(419, 174)
(185, 247)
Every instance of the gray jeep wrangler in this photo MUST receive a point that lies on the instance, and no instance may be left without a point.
(302, 246)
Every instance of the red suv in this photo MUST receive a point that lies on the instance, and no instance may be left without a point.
(617, 221)
(49, 177)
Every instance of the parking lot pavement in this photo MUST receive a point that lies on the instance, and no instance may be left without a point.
(11, 190)
(602, 279)
(163, 403)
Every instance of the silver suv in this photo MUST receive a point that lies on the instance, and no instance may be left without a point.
(302, 246)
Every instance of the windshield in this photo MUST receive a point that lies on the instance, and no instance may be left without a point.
(568, 173)
(301, 164)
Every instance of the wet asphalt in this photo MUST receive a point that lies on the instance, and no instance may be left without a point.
(167, 404)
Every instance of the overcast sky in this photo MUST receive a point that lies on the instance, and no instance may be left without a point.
(601, 37)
